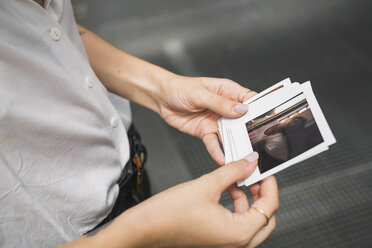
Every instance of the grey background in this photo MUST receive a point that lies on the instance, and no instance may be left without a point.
(326, 200)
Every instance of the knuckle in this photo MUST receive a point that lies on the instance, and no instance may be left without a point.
(239, 163)
(227, 80)
(237, 167)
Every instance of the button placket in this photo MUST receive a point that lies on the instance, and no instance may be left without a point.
(114, 122)
(55, 33)
(89, 82)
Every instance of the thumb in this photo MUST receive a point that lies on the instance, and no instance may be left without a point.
(234, 172)
(223, 106)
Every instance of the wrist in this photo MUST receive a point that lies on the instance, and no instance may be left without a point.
(133, 228)
(124, 74)
(143, 83)
(156, 86)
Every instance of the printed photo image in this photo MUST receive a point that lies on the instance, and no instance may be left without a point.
(283, 133)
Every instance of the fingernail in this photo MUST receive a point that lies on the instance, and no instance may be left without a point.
(241, 108)
(251, 157)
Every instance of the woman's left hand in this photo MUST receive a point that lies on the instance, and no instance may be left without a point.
(193, 106)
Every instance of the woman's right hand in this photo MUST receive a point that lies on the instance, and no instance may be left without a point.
(190, 214)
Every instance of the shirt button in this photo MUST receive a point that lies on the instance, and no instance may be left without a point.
(89, 82)
(114, 121)
(55, 33)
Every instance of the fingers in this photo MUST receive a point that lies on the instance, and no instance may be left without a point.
(229, 89)
(255, 191)
(268, 201)
(269, 198)
(224, 97)
(253, 220)
(239, 198)
(221, 105)
(263, 233)
(233, 172)
(213, 147)
(248, 94)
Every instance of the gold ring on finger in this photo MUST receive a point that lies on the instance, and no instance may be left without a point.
(263, 213)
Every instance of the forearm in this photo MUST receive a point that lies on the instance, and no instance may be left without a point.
(124, 74)
(127, 230)
(196, 218)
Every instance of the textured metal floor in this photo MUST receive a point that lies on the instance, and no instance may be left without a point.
(326, 201)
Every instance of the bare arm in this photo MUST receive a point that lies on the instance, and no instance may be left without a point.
(191, 104)
(124, 74)
(190, 215)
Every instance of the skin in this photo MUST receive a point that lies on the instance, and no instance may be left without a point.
(40, 2)
(192, 105)
(188, 214)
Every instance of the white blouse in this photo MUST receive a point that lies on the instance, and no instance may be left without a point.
(63, 144)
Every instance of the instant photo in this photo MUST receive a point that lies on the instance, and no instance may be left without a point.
(284, 124)
(283, 133)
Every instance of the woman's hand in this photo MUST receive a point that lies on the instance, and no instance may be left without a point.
(190, 214)
(193, 105)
